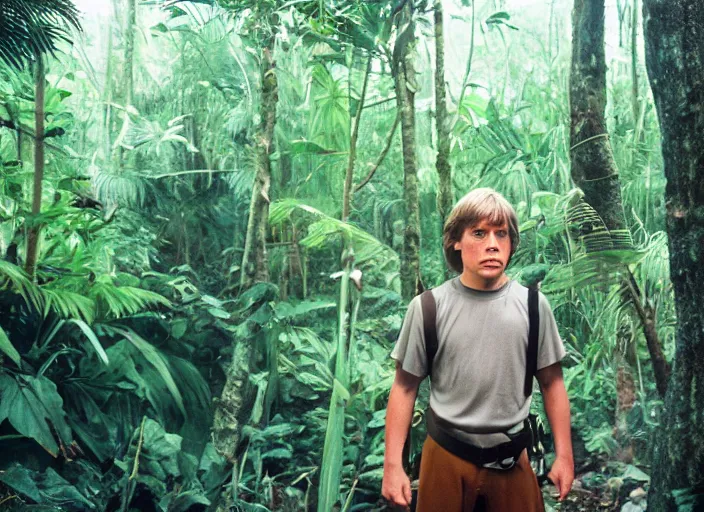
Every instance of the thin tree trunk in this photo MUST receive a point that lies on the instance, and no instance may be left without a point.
(647, 315)
(128, 71)
(675, 64)
(107, 95)
(593, 166)
(285, 165)
(227, 421)
(255, 264)
(634, 64)
(625, 399)
(468, 68)
(405, 82)
(352, 156)
(382, 155)
(621, 10)
(442, 163)
(128, 76)
(551, 20)
(33, 235)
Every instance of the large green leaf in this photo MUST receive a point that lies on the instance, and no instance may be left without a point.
(287, 311)
(94, 341)
(307, 147)
(368, 250)
(30, 404)
(156, 359)
(7, 347)
(157, 460)
(48, 488)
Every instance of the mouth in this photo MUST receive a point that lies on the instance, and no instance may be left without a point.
(492, 263)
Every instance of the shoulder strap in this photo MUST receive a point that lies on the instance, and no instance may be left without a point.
(534, 325)
(427, 302)
(429, 309)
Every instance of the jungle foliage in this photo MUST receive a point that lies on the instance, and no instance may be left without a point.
(234, 202)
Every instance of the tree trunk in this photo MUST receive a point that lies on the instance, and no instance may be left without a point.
(255, 263)
(352, 155)
(33, 235)
(405, 83)
(647, 315)
(285, 164)
(127, 73)
(128, 76)
(593, 166)
(675, 64)
(107, 96)
(634, 66)
(442, 163)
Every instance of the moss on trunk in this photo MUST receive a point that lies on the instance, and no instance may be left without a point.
(33, 235)
(593, 166)
(255, 264)
(442, 164)
(405, 81)
(675, 63)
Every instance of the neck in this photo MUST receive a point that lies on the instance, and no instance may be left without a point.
(483, 284)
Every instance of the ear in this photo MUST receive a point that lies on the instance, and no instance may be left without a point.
(457, 246)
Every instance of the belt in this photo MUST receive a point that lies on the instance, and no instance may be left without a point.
(503, 456)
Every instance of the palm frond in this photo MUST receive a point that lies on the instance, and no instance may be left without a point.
(20, 283)
(68, 304)
(31, 27)
(326, 228)
(120, 301)
(122, 188)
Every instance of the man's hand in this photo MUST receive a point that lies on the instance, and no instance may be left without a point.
(396, 487)
(562, 475)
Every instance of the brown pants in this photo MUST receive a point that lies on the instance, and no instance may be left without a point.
(450, 484)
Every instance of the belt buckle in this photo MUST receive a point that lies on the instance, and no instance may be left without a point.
(502, 465)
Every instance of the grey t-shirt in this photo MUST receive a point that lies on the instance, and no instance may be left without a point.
(479, 369)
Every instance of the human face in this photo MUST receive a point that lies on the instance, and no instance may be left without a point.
(485, 250)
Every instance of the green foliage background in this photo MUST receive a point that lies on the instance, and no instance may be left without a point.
(114, 356)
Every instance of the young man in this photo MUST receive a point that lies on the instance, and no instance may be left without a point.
(477, 398)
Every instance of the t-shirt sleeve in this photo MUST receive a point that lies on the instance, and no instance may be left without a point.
(550, 346)
(409, 350)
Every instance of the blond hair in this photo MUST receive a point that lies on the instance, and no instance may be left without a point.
(480, 204)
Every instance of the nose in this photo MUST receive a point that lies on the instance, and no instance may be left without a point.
(492, 242)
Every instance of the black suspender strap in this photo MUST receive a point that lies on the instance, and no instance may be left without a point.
(427, 302)
(534, 325)
(430, 335)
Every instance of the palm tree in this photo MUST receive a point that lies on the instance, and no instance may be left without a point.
(32, 27)
(28, 30)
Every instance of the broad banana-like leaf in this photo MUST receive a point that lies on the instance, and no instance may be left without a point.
(48, 488)
(152, 354)
(7, 347)
(30, 404)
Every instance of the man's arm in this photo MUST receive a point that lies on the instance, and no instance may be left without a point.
(396, 486)
(557, 407)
